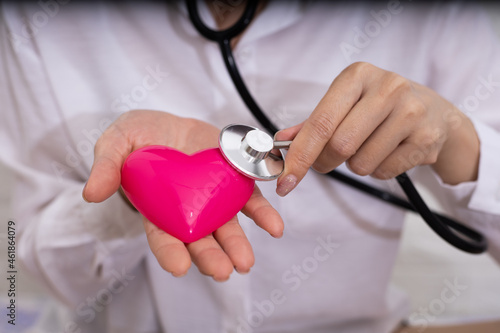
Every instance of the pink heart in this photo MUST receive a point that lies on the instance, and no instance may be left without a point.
(188, 196)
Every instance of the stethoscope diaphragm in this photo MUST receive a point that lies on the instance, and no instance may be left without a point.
(252, 151)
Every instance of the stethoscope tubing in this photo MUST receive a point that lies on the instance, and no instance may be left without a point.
(455, 233)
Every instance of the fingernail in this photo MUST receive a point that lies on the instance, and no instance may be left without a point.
(286, 185)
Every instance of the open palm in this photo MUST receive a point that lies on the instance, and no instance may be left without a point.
(215, 255)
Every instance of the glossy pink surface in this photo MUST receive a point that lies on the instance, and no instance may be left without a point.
(188, 196)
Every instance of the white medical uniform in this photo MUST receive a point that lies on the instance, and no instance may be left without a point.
(68, 69)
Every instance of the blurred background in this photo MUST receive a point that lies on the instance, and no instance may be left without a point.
(425, 262)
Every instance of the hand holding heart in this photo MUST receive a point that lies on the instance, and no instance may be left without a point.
(215, 255)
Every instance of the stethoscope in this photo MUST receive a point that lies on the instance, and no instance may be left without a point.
(256, 154)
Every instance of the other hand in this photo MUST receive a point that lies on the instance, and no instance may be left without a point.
(381, 124)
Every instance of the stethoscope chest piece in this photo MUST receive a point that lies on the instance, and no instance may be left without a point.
(251, 151)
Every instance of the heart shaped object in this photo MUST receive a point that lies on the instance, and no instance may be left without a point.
(187, 196)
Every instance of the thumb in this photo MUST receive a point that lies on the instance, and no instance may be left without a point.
(105, 176)
(288, 133)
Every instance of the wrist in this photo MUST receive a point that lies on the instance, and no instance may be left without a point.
(458, 160)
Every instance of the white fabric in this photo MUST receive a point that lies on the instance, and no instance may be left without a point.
(85, 64)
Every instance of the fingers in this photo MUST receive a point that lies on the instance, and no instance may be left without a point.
(317, 130)
(370, 118)
(353, 132)
(288, 133)
(263, 214)
(403, 158)
(235, 244)
(110, 152)
(170, 252)
(421, 150)
(381, 143)
(215, 255)
(210, 259)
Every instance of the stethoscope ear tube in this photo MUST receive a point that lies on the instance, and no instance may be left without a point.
(223, 38)
(227, 34)
(453, 232)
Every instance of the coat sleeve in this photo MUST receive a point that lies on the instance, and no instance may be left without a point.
(465, 62)
(72, 247)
